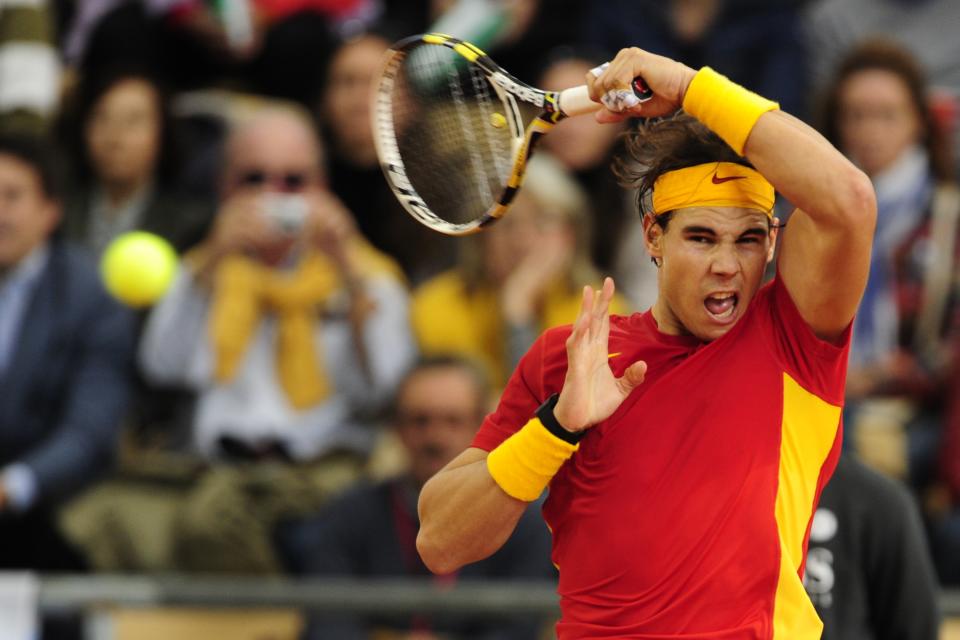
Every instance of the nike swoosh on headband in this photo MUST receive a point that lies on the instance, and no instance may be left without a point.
(717, 180)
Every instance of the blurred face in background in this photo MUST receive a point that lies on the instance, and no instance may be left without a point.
(526, 226)
(273, 161)
(878, 121)
(578, 143)
(276, 152)
(438, 412)
(123, 133)
(27, 215)
(346, 101)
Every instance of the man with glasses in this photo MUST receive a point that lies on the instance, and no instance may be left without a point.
(291, 328)
(370, 531)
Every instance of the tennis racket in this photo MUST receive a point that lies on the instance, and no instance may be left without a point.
(454, 131)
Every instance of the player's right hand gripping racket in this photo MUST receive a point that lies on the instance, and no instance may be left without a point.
(454, 131)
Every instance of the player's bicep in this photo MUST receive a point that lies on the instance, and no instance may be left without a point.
(825, 268)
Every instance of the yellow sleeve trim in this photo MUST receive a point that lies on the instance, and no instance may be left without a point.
(524, 463)
(728, 109)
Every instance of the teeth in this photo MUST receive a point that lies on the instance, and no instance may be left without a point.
(716, 301)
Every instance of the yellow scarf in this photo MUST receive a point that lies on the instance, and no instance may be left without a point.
(243, 290)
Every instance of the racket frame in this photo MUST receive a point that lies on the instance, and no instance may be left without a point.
(508, 89)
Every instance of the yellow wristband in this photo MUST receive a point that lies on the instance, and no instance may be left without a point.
(525, 462)
(725, 107)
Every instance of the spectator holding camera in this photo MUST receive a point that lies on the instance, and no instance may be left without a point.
(289, 326)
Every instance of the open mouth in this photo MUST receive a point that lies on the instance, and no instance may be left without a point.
(721, 305)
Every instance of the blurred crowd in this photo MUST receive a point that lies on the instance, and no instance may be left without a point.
(320, 354)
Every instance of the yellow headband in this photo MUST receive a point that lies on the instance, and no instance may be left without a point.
(714, 184)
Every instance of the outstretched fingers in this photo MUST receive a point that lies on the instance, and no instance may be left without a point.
(592, 326)
(601, 312)
(582, 324)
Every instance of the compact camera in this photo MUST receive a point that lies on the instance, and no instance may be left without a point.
(286, 211)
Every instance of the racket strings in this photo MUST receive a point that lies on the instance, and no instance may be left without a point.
(498, 151)
(480, 181)
(451, 133)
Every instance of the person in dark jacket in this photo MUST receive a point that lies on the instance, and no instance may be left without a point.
(869, 572)
(66, 361)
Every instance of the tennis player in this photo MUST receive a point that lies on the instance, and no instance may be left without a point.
(685, 448)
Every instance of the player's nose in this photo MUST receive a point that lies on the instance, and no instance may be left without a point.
(723, 261)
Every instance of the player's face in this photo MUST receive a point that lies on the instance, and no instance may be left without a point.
(27, 216)
(713, 260)
(438, 413)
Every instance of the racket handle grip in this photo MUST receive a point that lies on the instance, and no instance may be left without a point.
(576, 100)
(640, 89)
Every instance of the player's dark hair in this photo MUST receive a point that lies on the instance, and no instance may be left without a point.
(40, 155)
(885, 55)
(667, 144)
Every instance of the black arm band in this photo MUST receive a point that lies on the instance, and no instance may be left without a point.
(548, 420)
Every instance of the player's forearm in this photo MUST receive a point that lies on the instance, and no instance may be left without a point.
(825, 256)
(810, 172)
(800, 163)
(464, 516)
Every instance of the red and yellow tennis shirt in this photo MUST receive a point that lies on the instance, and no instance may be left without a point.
(686, 513)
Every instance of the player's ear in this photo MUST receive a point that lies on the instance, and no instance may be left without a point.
(653, 238)
(774, 233)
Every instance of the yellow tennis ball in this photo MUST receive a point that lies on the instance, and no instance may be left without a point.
(497, 120)
(138, 267)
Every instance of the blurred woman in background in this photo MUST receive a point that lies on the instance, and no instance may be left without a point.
(523, 274)
(877, 113)
(122, 140)
(355, 175)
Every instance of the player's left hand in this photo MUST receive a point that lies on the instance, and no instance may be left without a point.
(590, 392)
(668, 79)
